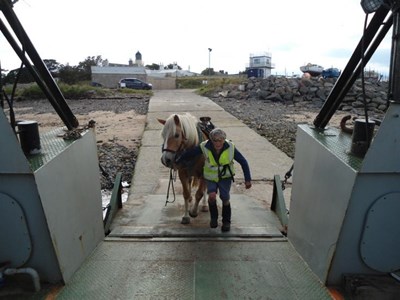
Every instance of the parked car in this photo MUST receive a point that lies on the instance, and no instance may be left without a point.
(331, 73)
(134, 83)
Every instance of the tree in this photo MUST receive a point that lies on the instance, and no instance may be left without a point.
(24, 76)
(208, 71)
(89, 62)
(84, 67)
(71, 75)
(172, 67)
(153, 66)
(52, 65)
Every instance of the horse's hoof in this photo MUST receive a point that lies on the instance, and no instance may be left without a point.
(204, 208)
(185, 220)
(193, 215)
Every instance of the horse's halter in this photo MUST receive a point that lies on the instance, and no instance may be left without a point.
(179, 148)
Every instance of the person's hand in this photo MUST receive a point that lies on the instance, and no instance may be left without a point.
(247, 184)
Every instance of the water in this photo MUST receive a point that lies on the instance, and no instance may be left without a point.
(106, 197)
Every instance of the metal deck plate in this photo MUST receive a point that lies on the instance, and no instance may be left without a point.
(194, 270)
(336, 142)
(51, 145)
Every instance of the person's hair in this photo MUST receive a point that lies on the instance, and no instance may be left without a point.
(217, 133)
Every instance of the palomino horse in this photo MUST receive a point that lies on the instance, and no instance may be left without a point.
(180, 133)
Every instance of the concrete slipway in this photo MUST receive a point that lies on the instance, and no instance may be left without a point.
(150, 255)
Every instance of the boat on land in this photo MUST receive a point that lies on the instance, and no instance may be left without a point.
(312, 69)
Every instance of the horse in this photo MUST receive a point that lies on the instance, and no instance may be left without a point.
(182, 132)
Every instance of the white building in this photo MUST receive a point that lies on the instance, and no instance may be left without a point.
(109, 74)
(259, 65)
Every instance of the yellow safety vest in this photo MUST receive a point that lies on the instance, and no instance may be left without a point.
(223, 168)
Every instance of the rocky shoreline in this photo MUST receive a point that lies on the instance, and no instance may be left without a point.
(274, 106)
(310, 93)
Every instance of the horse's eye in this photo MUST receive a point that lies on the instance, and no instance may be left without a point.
(176, 135)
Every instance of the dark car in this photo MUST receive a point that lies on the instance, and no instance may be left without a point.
(134, 83)
(331, 73)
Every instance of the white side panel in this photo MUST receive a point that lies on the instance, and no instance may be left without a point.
(322, 185)
(69, 187)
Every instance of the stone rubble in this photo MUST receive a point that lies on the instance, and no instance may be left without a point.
(309, 92)
(266, 105)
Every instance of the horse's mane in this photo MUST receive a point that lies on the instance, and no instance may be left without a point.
(189, 127)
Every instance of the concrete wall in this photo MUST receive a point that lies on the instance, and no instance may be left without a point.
(111, 80)
(162, 83)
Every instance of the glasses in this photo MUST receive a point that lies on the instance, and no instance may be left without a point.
(218, 140)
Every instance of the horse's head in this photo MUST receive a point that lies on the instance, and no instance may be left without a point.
(174, 139)
(179, 133)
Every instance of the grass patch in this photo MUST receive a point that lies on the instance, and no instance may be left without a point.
(216, 83)
(133, 91)
(76, 91)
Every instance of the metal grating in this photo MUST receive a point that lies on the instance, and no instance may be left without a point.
(194, 270)
(52, 144)
(337, 143)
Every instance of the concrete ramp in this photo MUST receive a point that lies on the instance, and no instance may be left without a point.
(149, 254)
(155, 219)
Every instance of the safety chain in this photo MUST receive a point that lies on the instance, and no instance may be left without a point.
(76, 133)
(287, 176)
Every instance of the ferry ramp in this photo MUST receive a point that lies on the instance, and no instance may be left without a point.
(150, 255)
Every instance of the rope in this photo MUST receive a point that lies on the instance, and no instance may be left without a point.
(171, 183)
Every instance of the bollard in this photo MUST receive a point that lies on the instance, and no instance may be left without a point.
(362, 137)
(29, 137)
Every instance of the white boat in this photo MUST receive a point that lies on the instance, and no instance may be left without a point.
(312, 69)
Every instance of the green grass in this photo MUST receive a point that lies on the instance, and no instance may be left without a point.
(133, 91)
(202, 84)
(77, 91)
(214, 83)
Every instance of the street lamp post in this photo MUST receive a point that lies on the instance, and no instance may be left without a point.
(209, 61)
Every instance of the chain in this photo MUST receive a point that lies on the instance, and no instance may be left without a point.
(287, 176)
(76, 133)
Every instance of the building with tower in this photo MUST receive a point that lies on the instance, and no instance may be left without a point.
(260, 65)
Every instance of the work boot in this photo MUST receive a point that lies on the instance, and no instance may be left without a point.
(226, 218)
(213, 214)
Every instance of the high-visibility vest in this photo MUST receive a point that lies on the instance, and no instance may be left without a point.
(223, 168)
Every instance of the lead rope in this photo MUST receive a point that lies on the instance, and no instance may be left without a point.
(172, 178)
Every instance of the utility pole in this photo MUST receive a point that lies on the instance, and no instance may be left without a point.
(209, 61)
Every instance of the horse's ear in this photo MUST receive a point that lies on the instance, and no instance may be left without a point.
(176, 120)
(161, 121)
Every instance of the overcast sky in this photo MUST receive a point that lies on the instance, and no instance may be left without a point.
(165, 31)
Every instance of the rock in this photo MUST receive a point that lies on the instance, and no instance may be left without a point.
(296, 90)
(266, 104)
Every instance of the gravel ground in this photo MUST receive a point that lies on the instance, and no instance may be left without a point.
(114, 157)
(275, 121)
(85, 106)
